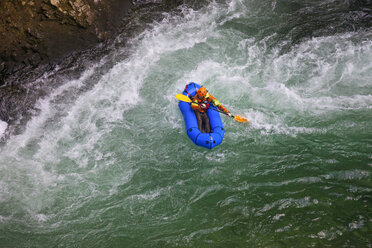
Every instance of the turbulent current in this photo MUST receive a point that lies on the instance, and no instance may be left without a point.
(106, 162)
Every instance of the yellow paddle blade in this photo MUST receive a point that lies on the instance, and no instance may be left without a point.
(240, 119)
(183, 98)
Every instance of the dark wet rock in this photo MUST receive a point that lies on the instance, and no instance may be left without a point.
(44, 31)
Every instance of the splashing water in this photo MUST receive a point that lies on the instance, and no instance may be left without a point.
(107, 162)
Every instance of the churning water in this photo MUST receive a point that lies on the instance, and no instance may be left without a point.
(107, 162)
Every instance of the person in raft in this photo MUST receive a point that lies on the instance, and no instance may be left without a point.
(200, 104)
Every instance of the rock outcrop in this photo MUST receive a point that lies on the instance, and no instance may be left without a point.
(44, 31)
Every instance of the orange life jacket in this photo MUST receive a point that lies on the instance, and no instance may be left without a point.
(196, 101)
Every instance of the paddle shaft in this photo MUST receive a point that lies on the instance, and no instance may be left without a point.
(221, 112)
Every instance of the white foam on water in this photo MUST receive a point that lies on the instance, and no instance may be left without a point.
(278, 216)
(74, 129)
(4, 219)
(41, 217)
(273, 124)
(322, 74)
(3, 127)
(63, 146)
(36, 126)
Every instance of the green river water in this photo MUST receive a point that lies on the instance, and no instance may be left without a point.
(107, 162)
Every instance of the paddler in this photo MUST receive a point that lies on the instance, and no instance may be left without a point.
(200, 104)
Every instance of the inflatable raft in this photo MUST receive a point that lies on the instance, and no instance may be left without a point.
(207, 140)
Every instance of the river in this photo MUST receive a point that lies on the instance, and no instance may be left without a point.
(107, 163)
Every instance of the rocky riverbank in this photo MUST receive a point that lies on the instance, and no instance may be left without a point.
(41, 36)
(44, 31)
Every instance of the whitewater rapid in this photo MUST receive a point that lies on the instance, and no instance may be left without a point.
(3, 126)
(106, 161)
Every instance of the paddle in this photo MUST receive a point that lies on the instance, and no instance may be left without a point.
(236, 117)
